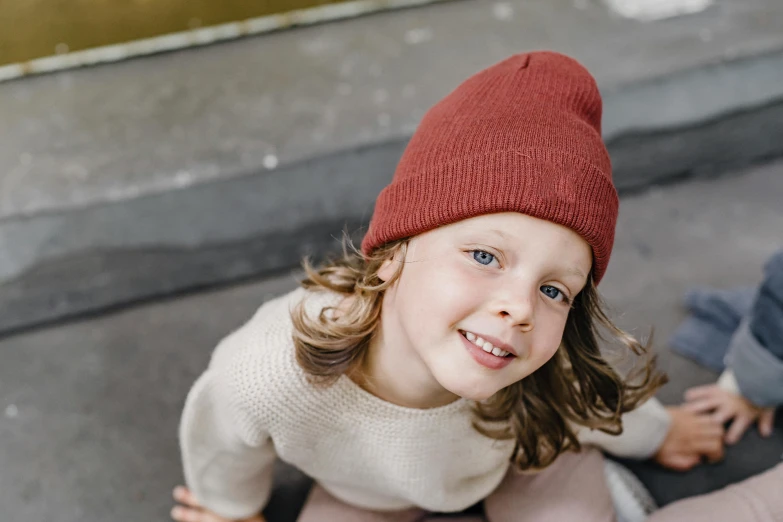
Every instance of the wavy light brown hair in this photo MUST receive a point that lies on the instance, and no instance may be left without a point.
(576, 388)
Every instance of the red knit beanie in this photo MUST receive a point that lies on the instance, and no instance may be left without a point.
(523, 135)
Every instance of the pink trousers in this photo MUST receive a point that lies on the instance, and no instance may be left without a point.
(573, 489)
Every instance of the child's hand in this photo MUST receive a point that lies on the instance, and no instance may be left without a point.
(725, 406)
(191, 510)
(691, 437)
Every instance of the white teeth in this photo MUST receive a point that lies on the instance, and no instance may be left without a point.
(485, 345)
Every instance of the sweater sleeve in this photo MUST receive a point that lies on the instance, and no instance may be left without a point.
(758, 374)
(644, 430)
(227, 458)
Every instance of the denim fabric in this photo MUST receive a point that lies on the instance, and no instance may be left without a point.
(766, 319)
(714, 317)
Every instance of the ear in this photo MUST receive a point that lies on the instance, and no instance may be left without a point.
(390, 267)
(387, 269)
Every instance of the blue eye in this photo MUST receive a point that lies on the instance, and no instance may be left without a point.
(553, 293)
(482, 257)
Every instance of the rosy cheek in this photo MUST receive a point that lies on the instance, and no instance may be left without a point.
(549, 338)
(447, 282)
(542, 353)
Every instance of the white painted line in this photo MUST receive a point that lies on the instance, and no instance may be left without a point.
(651, 10)
(203, 36)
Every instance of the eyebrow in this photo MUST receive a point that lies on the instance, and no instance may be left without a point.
(575, 271)
(572, 270)
(498, 233)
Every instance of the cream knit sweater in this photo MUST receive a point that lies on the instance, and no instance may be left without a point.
(254, 404)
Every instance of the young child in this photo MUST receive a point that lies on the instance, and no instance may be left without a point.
(459, 347)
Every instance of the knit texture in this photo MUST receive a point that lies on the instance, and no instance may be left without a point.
(254, 404)
(524, 136)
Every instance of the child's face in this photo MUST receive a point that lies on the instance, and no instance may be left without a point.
(507, 278)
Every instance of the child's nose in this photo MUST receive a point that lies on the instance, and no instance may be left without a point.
(519, 310)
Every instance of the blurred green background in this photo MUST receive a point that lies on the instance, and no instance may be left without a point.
(34, 28)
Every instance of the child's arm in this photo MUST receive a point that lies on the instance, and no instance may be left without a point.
(644, 430)
(227, 458)
(191, 511)
(674, 437)
(755, 354)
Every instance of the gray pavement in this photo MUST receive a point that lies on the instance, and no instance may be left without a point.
(177, 171)
(91, 407)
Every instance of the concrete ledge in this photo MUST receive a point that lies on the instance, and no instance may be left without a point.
(709, 148)
(90, 259)
(115, 254)
(141, 229)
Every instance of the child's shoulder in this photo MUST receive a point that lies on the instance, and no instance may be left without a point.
(258, 362)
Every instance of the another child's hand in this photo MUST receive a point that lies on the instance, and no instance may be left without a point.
(725, 406)
(691, 436)
(191, 510)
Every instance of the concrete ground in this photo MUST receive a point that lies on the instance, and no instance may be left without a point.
(91, 407)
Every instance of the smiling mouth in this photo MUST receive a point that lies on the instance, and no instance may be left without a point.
(485, 345)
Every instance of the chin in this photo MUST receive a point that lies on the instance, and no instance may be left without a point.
(478, 396)
(478, 391)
